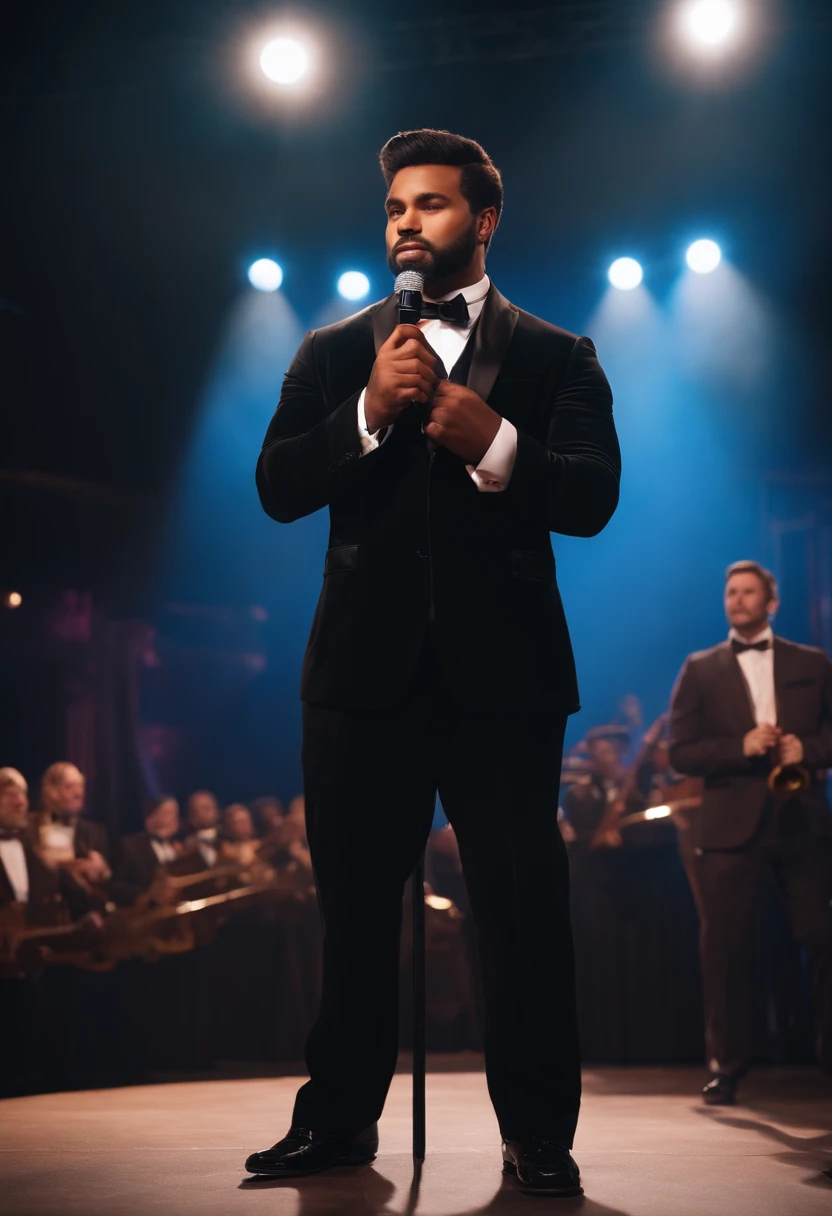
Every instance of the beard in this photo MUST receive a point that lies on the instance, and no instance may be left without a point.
(438, 263)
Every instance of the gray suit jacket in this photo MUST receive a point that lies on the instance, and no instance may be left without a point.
(711, 712)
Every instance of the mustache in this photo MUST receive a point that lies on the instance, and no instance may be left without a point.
(410, 241)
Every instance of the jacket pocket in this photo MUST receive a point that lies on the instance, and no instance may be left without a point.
(530, 563)
(341, 559)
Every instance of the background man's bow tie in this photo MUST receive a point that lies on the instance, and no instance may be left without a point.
(741, 647)
(454, 311)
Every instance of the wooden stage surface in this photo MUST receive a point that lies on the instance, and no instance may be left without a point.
(646, 1146)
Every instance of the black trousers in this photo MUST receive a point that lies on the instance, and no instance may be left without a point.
(802, 864)
(370, 783)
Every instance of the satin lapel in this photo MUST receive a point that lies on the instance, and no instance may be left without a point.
(781, 662)
(735, 685)
(6, 888)
(494, 333)
(385, 320)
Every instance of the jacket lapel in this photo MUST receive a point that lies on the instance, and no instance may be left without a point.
(782, 654)
(735, 686)
(385, 320)
(6, 889)
(493, 337)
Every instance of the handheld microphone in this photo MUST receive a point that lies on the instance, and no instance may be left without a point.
(408, 285)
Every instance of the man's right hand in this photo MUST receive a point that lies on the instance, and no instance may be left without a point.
(760, 740)
(402, 373)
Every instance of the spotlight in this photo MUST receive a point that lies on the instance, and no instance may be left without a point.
(13, 599)
(353, 285)
(710, 23)
(625, 274)
(703, 256)
(265, 275)
(284, 60)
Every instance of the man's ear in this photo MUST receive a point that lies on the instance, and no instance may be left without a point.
(772, 607)
(486, 224)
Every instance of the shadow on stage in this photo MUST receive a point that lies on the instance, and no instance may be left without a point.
(368, 1193)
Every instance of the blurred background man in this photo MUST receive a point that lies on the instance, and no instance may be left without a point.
(753, 717)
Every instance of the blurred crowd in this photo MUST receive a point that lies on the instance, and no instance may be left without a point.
(53, 857)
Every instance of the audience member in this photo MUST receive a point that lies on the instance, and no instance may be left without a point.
(268, 815)
(140, 870)
(43, 895)
(62, 834)
(204, 825)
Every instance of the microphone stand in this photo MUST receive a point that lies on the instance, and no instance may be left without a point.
(419, 1012)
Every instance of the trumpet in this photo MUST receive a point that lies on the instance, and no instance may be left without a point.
(788, 779)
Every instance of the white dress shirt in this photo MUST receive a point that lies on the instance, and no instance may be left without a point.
(165, 851)
(14, 863)
(206, 842)
(757, 667)
(494, 470)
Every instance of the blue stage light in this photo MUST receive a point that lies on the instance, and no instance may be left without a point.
(703, 256)
(265, 275)
(625, 274)
(353, 285)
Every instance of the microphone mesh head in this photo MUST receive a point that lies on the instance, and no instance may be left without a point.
(409, 280)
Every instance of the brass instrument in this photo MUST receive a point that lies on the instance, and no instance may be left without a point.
(788, 779)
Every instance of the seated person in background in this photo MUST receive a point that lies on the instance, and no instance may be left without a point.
(268, 815)
(591, 803)
(240, 841)
(204, 826)
(287, 847)
(61, 833)
(44, 895)
(140, 872)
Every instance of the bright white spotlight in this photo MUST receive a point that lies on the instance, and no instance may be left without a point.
(625, 274)
(711, 23)
(284, 60)
(703, 256)
(353, 285)
(265, 275)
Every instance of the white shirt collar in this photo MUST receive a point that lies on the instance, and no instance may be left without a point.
(474, 294)
(766, 635)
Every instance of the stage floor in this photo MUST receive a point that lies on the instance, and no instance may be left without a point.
(646, 1147)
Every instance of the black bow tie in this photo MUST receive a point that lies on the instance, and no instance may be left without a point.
(454, 311)
(741, 647)
(161, 839)
(11, 833)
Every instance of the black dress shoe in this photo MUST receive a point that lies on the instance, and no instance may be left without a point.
(720, 1091)
(543, 1167)
(303, 1151)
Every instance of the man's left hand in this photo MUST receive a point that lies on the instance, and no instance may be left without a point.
(791, 750)
(462, 422)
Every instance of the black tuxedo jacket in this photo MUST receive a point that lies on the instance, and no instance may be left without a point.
(413, 545)
(89, 835)
(136, 869)
(711, 712)
(48, 890)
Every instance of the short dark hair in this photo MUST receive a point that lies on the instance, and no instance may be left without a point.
(480, 181)
(765, 576)
(152, 804)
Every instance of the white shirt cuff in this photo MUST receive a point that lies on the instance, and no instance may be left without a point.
(369, 442)
(493, 472)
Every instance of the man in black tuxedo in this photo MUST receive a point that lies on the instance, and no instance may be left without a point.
(439, 656)
(142, 856)
(739, 709)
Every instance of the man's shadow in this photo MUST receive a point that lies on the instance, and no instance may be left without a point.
(803, 1152)
(365, 1192)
